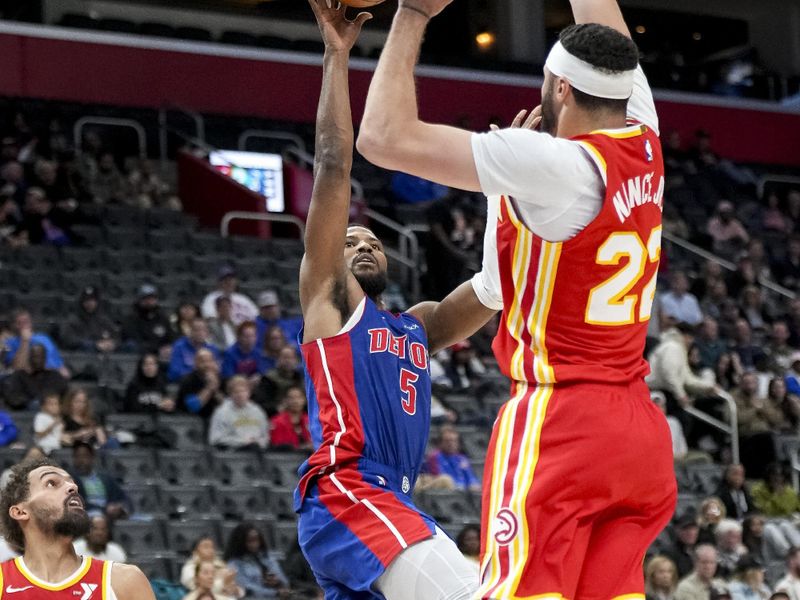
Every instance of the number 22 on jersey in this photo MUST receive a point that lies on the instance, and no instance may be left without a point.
(611, 302)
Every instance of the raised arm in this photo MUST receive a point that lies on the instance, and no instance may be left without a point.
(392, 135)
(322, 272)
(604, 12)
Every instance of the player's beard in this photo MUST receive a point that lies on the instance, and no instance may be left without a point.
(373, 284)
(72, 522)
(549, 119)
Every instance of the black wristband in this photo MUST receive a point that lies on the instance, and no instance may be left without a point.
(416, 10)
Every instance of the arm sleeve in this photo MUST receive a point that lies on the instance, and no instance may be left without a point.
(174, 370)
(54, 360)
(534, 168)
(486, 284)
(641, 106)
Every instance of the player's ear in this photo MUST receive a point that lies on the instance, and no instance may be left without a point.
(19, 512)
(563, 89)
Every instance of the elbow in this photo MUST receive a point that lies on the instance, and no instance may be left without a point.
(377, 149)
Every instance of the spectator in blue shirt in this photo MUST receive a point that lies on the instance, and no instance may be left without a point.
(257, 569)
(270, 314)
(16, 352)
(244, 357)
(183, 351)
(679, 304)
(8, 430)
(448, 461)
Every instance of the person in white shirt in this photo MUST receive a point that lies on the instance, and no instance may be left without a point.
(242, 308)
(97, 542)
(790, 584)
(48, 426)
(239, 422)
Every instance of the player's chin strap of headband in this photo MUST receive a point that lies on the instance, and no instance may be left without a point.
(588, 79)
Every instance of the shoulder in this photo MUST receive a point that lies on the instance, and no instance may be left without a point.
(129, 583)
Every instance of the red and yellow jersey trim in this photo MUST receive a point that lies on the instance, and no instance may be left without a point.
(73, 580)
(631, 131)
(532, 333)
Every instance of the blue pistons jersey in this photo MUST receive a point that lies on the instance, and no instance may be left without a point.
(369, 398)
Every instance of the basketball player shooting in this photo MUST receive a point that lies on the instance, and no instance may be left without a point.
(368, 382)
(579, 477)
(42, 514)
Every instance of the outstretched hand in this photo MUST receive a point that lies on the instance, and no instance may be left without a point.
(338, 32)
(532, 122)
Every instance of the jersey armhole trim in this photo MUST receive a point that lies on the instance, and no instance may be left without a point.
(107, 592)
(597, 158)
(355, 317)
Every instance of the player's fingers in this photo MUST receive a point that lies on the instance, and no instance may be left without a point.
(536, 122)
(517, 122)
(529, 122)
(494, 127)
(362, 18)
(314, 6)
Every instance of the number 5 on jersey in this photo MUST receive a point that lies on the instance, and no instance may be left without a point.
(409, 400)
(610, 303)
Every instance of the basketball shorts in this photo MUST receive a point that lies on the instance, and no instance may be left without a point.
(579, 481)
(353, 524)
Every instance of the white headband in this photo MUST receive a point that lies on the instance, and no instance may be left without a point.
(588, 79)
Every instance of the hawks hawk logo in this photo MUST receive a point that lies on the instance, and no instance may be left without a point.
(506, 526)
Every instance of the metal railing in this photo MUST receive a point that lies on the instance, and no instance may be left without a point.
(408, 251)
(773, 178)
(77, 130)
(198, 139)
(264, 134)
(731, 428)
(725, 264)
(224, 227)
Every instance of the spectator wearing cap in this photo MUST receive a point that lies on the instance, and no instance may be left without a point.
(699, 583)
(90, 328)
(680, 305)
(242, 308)
(16, 352)
(727, 233)
(222, 328)
(183, 350)
(790, 584)
(244, 357)
(730, 548)
(681, 550)
(270, 314)
(147, 328)
(23, 387)
(276, 381)
(749, 583)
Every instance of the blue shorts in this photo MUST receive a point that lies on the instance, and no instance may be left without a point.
(352, 524)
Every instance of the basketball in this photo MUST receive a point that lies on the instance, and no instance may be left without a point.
(361, 3)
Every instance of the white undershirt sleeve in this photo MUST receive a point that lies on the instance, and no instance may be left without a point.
(487, 283)
(641, 106)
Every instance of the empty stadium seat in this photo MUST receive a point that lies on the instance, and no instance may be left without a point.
(139, 537)
(705, 478)
(280, 469)
(281, 502)
(238, 468)
(157, 29)
(448, 506)
(164, 566)
(145, 498)
(131, 465)
(284, 536)
(188, 500)
(243, 501)
(188, 430)
(182, 535)
(185, 466)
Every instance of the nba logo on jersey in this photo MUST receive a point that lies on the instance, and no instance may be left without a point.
(648, 149)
